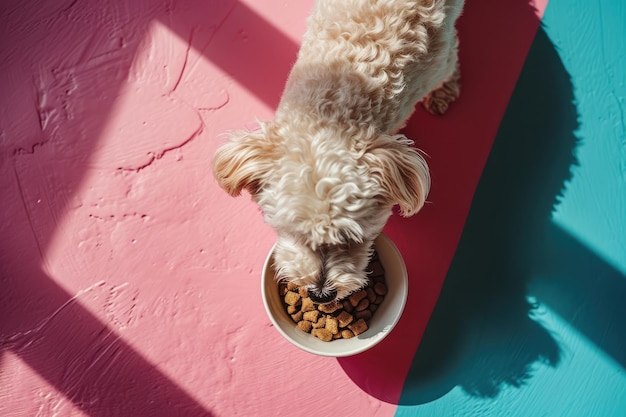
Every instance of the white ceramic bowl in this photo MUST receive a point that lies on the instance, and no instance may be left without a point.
(383, 321)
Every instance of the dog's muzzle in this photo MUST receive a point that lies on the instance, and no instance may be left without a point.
(322, 296)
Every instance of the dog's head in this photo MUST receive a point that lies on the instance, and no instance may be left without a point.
(326, 197)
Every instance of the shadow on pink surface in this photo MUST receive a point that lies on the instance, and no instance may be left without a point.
(66, 63)
(260, 56)
(71, 59)
(84, 358)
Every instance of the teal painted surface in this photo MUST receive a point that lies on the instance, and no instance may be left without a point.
(592, 39)
(530, 321)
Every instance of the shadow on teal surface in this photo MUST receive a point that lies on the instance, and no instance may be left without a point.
(583, 289)
(482, 335)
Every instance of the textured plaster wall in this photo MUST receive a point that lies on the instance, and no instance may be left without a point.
(129, 283)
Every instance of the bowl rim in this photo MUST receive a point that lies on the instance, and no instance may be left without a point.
(369, 340)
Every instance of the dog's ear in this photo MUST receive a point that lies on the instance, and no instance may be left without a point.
(401, 172)
(243, 161)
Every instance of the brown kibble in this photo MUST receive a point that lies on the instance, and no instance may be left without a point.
(311, 316)
(321, 322)
(323, 334)
(307, 305)
(297, 316)
(380, 288)
(330, 307)
(347, 334)
(292, 298)
(338, 319)
(358, 326)
(332, 325)
(305, 326)
(363, 304)
(356, 297)
(282, 288)
(344, 318)
(378, 279)
(365, 315)
(376, 269)
(303, 292)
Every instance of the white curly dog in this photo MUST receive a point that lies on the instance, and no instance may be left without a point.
(328, 169)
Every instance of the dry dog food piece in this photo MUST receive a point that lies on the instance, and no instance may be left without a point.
(358, 327)
(356, 297)
(347, 334)
(330, 307)
(292, 298)
(307, 304)
(371, 294)
(344, 318)
(282, 288)
(339, 319)
(297, 316)
(332, 325)
(321, 322)
(380, 288)
(376, 269)
(305, 326)
(311, 316)
(363, 304)
(365, 315)
(322, 334)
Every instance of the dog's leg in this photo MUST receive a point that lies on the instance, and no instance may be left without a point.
(438, 100)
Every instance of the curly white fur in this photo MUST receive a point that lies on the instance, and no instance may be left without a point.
(329, 168)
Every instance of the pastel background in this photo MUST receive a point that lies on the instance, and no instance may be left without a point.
(129, 283)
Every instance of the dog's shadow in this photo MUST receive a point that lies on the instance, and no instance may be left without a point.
(482, 335)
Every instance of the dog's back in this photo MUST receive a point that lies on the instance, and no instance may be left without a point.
(370, 62)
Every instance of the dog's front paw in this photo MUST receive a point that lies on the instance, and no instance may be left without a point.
(438, 100)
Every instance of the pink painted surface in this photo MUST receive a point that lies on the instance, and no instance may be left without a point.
(129, 281)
